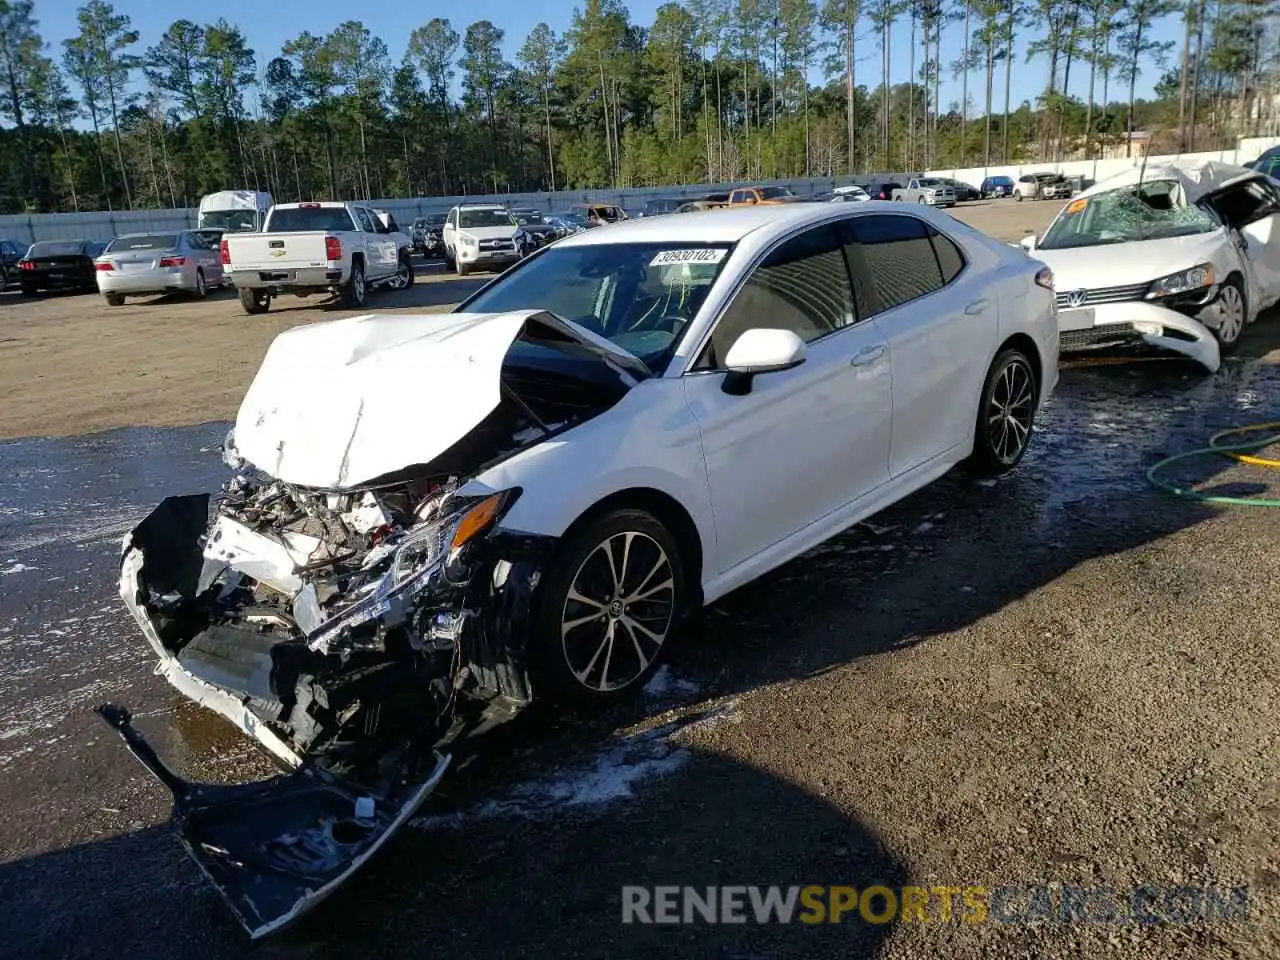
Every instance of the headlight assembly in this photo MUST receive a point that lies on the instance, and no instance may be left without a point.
(466, 519)
(1198, 277)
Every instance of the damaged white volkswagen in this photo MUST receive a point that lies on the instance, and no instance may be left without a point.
(430, 520)
(1177, 256)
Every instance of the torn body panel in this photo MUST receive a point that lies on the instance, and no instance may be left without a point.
(356, 633)
(1135, 322)
(277, 848)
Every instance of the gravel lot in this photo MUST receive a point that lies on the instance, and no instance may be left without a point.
(70, 364)
(1060, 678)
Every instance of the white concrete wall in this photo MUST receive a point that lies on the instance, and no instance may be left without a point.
(1101, 169)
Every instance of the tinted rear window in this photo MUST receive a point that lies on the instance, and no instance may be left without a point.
(158, 241)
(301, 219)
(56, 248)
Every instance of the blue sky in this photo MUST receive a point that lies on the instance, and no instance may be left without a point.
(394, 21)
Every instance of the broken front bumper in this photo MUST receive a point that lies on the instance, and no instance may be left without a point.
(276, 848)
(1137, 323)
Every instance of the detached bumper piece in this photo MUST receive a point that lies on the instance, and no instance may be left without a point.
(276, 848)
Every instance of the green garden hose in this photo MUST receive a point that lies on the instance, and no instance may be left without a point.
(1237, 451)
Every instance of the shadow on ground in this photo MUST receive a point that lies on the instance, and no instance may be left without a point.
(502, 889)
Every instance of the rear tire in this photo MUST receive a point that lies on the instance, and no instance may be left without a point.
(254, 301)
(354, 291)
(607, 607)
(1006, 415)
(202, 290)
(114, 299)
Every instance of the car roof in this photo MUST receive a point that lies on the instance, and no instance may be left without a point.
(722, 225)
(481, 206)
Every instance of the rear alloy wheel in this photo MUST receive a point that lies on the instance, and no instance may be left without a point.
(353, 293)
(1232, 313)
(608, 607)
(201, 290)
(1005, 415)
(114, 299)
(254, 301)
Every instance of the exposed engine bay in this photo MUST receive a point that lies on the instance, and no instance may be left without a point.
(356, 632)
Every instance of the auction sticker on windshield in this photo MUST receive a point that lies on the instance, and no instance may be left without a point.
(699, 255)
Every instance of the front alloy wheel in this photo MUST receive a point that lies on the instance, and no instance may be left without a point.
(609, 605)
(1005, 415)
(1231, 313)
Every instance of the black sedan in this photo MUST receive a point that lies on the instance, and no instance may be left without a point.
(10, 254)
(59, 265)
(964, 191)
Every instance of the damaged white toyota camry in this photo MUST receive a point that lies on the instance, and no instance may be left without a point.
(433, 519)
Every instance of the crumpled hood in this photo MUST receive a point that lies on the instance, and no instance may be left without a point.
(1124, 264)
(341, 403)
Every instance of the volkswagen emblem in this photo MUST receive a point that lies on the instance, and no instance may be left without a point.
(1076, 297)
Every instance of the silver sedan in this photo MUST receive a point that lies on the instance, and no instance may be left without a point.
(139, 264)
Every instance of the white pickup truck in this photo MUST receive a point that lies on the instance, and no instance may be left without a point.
(930, 190)
(307, 248)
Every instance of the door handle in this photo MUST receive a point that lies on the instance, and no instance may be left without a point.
(867, 355)
(977, 306)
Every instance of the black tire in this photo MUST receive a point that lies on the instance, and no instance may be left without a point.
(254, 301)
(570, 660)
(406, 264)
(461, 269)
(114, 299)
(202, 290)
(355, 291)
(1006, 415)
(1229, 337)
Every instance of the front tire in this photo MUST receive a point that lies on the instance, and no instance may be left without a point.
(607, 607)
(461, 269)
(1233, 313)
(254, 301)
(1006, 415)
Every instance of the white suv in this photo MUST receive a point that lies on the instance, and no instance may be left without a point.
(481, 237)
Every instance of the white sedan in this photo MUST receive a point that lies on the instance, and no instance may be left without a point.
(434, 518)
(1179, 256)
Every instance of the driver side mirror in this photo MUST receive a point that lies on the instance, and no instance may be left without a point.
(760, 350)
(1028, 243)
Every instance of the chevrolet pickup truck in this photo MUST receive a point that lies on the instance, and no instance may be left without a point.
(931, 190)
(307, 248)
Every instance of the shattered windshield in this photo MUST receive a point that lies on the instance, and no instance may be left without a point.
(484, 218)
(641, 296)
(1151, 211)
